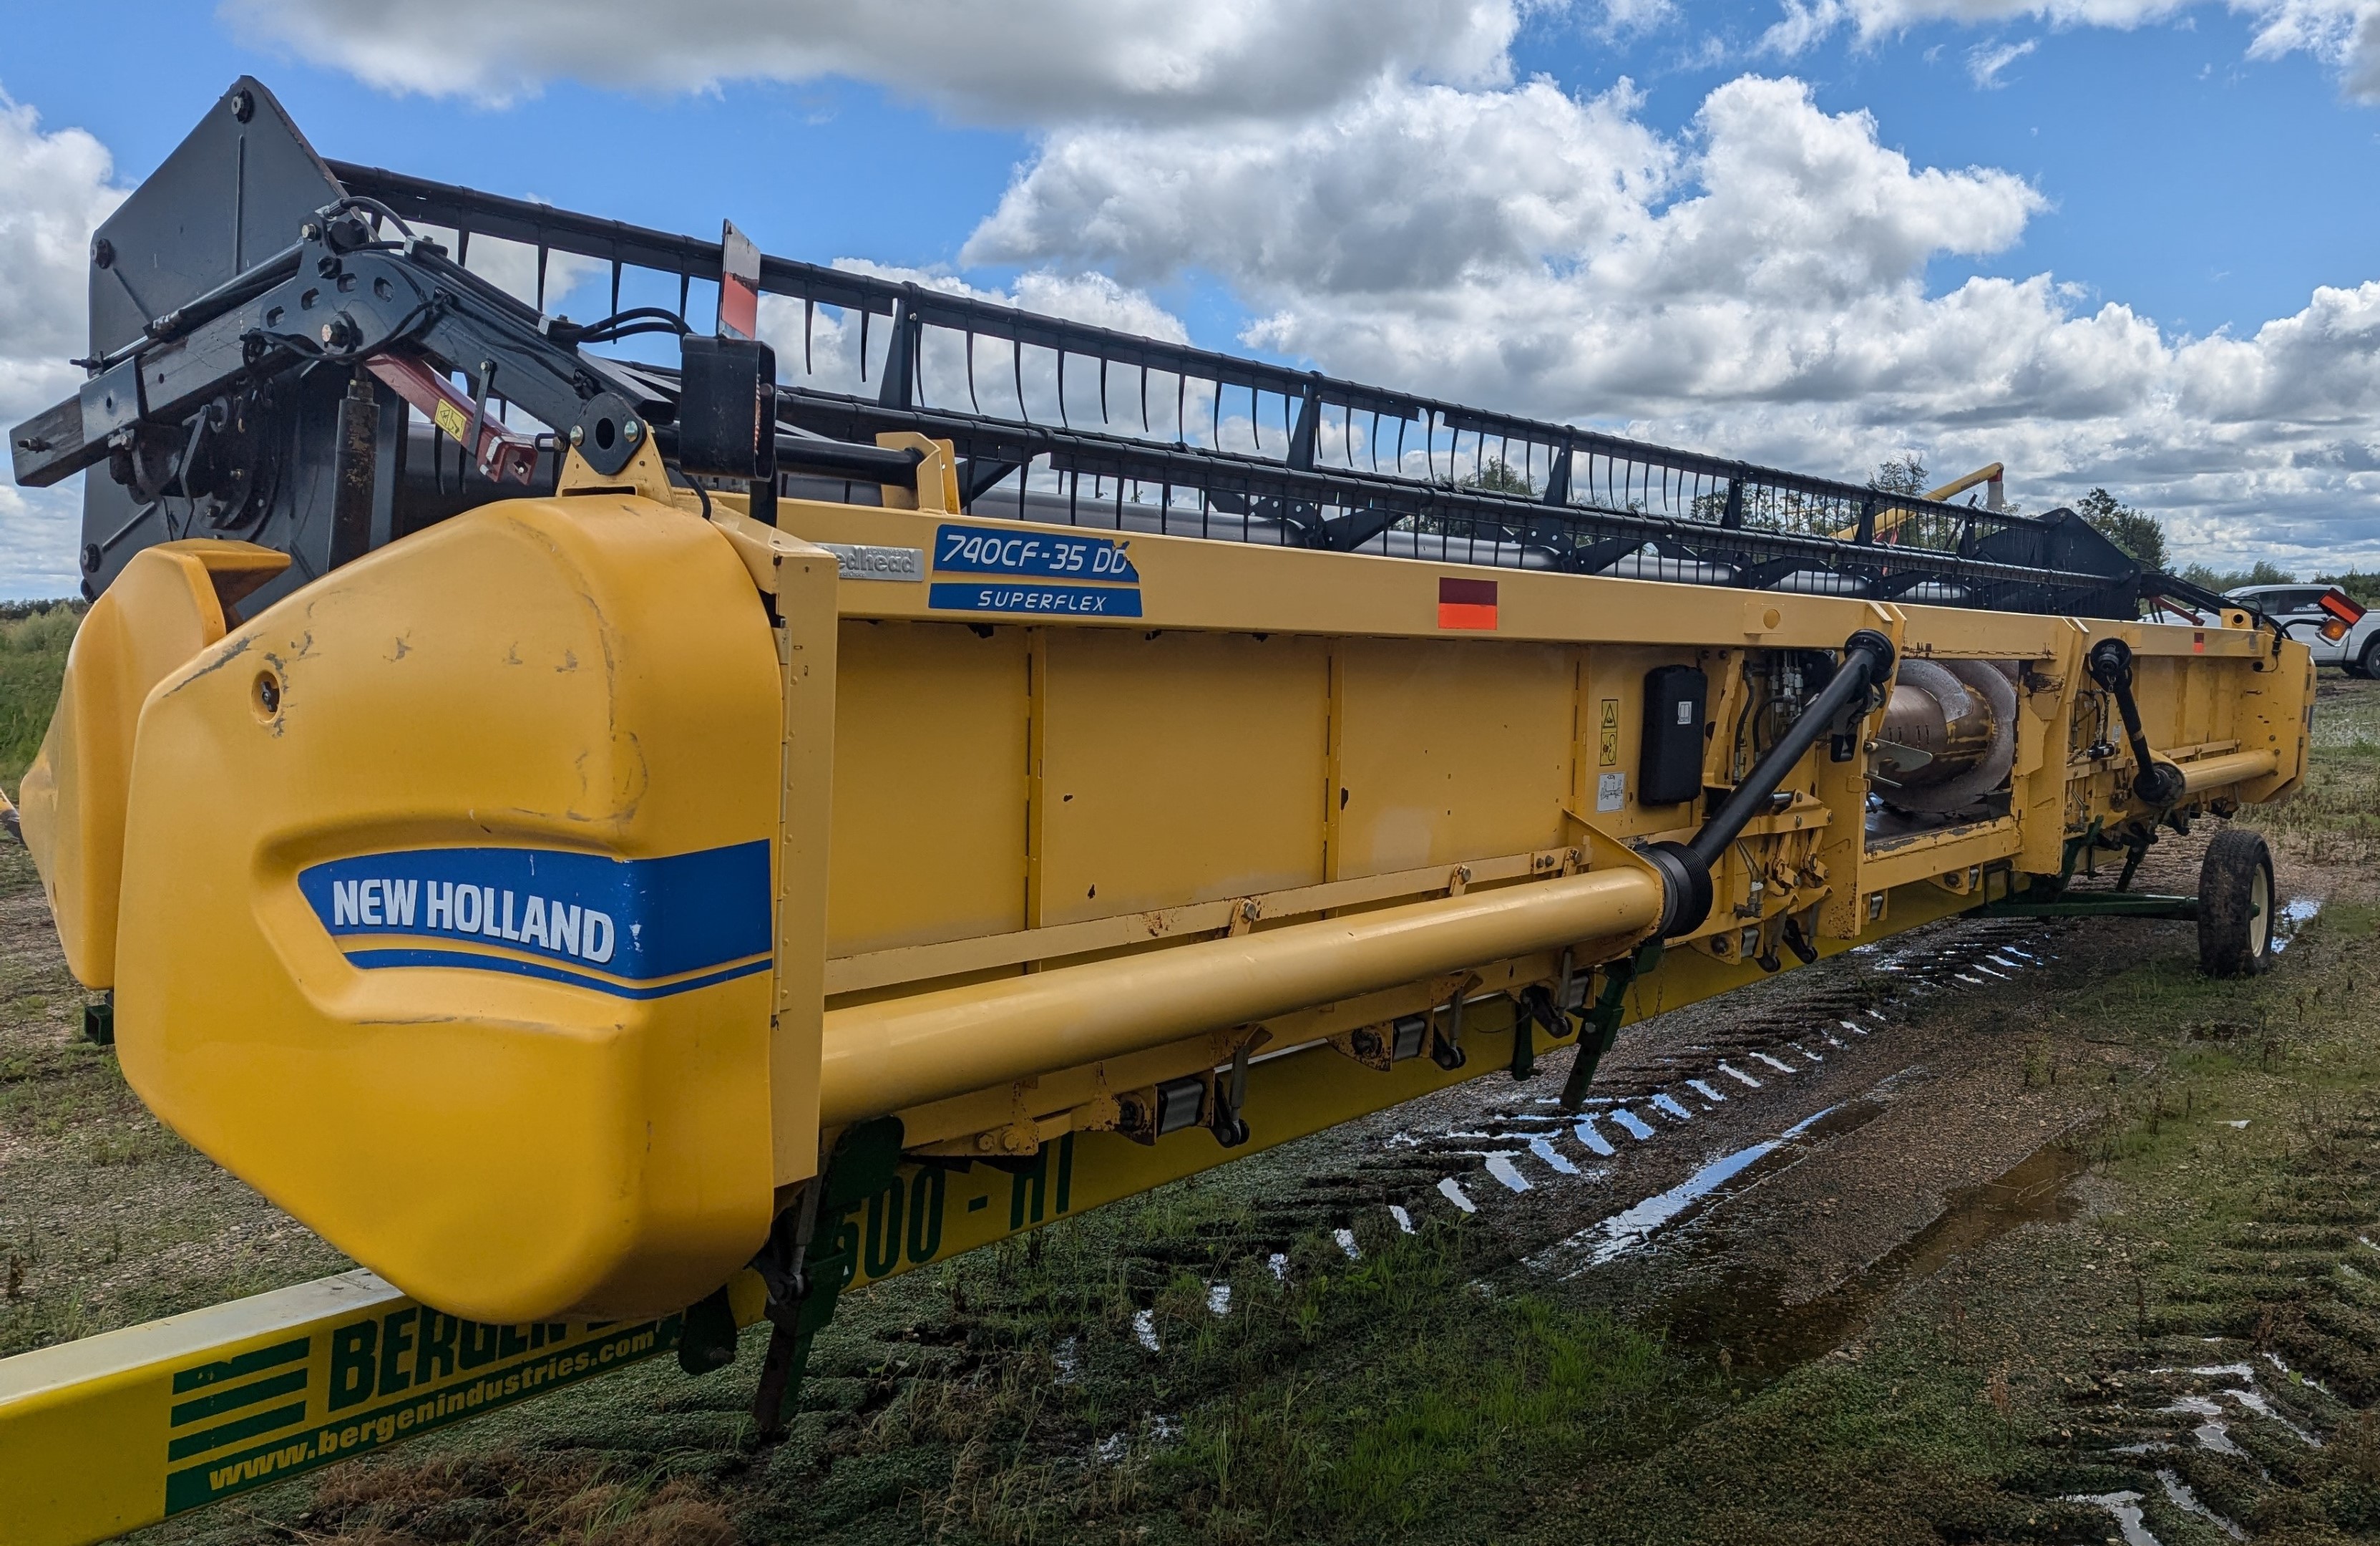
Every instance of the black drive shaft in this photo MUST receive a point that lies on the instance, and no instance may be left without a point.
(1685, 867)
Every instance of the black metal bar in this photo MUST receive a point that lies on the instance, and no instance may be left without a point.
(1867, 659)
(2155, 783)
(420, 199)
(1685, 867)
(1240, 474)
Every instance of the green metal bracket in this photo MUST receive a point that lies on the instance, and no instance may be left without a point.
(1602, 1021)
(865, 1160)
(2094, 904)
(2075, 849)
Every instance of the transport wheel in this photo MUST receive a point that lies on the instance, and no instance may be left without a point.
(2235, 905)
(2368, 663)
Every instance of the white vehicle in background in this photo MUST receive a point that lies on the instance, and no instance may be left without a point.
(2323, 617)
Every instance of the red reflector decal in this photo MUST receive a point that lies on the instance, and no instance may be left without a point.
(739, 284)
(2342, 606)
(1466, 604)
(2198, 641)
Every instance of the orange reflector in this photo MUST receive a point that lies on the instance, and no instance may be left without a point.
(1466, 604)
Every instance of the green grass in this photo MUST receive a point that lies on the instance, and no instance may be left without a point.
(33, 645)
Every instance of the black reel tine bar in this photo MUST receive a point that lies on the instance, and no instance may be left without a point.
(1353, 466)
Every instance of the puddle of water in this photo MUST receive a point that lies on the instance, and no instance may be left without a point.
(1632, 1227)
(1745, 1312)
(1404, 1220)
(2254, 1400)
(2179, 1494)
(1219, 1299)
(1594, 1140)
(1346, 1239)
(1706, 1092)
(1454, 1193)
(1637, 1127)
(1280, 1265)
(1543, 1150)
(2124, 1508)
(1144, 1326)
(2295, 914)
(1731, 1071)
(1502, 1167)
(1778, 1064)
(2292, 1375)
(1668, 1103)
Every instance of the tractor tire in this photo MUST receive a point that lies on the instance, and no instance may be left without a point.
(2235, 905)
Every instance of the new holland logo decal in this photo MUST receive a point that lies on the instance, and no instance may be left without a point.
(632, 928)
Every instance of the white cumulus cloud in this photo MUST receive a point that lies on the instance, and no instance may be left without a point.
(54, 187)
(1985, 61)
(1756, 286)
(1032, 61)
(1373, 184)
(2343, 33)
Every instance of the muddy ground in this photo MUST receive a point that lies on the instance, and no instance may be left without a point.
(1993, 1231)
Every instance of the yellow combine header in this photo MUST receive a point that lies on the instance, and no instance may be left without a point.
(763, 838)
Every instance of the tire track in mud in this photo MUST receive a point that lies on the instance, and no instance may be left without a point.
(2247, 1401)
(1752, 1069)
(1689, 1109)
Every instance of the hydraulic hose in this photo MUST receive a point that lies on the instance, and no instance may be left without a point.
(1685, 867)
(2153, 782)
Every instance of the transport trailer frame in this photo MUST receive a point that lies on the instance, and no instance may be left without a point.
(847, 882)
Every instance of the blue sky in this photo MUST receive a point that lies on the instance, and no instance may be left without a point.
(2203, 187)
(2166, 169)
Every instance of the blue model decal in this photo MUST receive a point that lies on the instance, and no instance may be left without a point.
(1081, 601)
(974, 550)
(642, 920)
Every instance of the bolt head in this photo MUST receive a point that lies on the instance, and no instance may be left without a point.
(632, 431)
(577, 434)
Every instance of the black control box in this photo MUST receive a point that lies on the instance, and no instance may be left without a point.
(727, 408)
(1669, 761)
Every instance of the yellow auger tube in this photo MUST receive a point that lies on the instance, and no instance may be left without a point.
(2218, 773)
(886, 1056)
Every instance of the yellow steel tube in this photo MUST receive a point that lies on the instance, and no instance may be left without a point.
(2214, 773)
(885, 1057)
